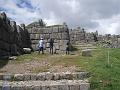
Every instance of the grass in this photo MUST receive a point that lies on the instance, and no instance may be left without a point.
(30, 57)
(103, 76)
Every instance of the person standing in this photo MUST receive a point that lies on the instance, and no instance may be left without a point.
(51, 44)
(41, 45)
(67, 47)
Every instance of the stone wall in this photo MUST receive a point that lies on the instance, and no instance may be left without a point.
(12, 37)
(81, 36)
(60, 34)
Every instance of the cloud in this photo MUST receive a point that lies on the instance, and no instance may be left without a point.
(101, 15)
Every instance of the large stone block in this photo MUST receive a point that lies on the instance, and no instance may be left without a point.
(63, 87)
(3, 16)
(49, 76)
(5, 46)
(27, 77)
(41, 76)
(34, 41)
(4, 53)
(5, 35)
(46, 36)
(35, 46)
(55, 30)
(84, 86)
(19, 77)
(33, 77)
(87, 52)
(35, 36)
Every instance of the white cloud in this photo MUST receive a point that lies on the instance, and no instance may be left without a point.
(101, 15)
(109, 26)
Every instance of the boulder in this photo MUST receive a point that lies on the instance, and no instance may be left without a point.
(27, 50)
(87, 52)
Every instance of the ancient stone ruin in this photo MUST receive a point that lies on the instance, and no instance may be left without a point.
(13, 38)
(81, 36)
(60, 34)
(45, 81)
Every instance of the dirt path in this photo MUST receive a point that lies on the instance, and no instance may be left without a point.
(36, 66)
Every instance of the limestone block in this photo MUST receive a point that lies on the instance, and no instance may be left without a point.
(49, 30)
(27, 50)
(87, 52)
(56, 76)
(46, 36)
(54, 87)
(47, 45)
(4, 45)
(61, 29)
(32, 36)
(63, 87)
(37, 88)
(34, 41)
(55, 30)
(37, 36)
(3, 16)
(34, 46)
(48, 76)
(1, 76)
(29, 30)
(84, 86)
(74, 87)
(27, 77)
(19, 77)
(57, 47)
(4, 53)
(8, 77)
(5, 35)
(65, 36)
(41, 76)
(5, 87)
(40, 30)
(45, 88)
(59, 36)
(23, 26)
(33, 77)
(16, 87)
(13, 24)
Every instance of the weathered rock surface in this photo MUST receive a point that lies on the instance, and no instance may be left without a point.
(45, 76)
(45, 85)
(12, 37)
(87, 52)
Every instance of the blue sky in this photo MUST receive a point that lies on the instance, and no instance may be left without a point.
(101, 15)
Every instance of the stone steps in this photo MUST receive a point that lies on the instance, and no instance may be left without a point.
(45, 85)
(85, 46)
(45, 76)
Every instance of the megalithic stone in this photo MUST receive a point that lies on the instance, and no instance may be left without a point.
(3, 16)
(23, 26)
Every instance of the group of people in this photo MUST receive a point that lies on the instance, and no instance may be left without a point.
(51, 45)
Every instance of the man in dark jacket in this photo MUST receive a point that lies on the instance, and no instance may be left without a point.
(67, 47)
(51, 43)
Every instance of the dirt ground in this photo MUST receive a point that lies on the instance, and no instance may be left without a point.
(36, 66)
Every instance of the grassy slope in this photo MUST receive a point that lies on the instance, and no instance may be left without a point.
(103, 77)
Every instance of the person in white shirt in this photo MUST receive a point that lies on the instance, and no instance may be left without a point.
(41, 45)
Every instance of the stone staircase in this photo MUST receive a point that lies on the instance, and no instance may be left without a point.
(45, 81)
(83, 46)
